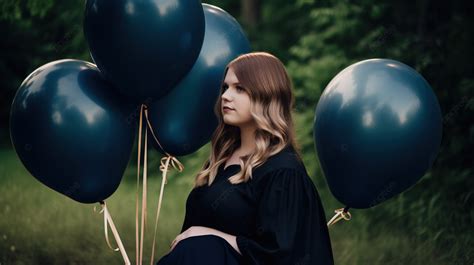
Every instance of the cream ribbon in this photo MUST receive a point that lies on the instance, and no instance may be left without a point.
(164, 168)
(341, 213)
(108, 221)
(140, 225)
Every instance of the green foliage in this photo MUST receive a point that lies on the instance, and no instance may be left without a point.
(35, 32)
(16, 10)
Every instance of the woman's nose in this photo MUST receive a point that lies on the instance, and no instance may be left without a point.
(226, 96)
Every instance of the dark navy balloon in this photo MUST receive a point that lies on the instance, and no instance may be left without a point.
(377, 131)
(71, 131)
(184, 119)
(144, 47)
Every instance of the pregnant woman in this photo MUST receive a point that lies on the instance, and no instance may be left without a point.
(253, 201)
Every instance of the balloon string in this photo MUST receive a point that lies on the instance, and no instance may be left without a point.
(341, 213)
(151, 129)
(144, 195)
(137, 225)
(164, 168)
(108, 221)
(174, 161)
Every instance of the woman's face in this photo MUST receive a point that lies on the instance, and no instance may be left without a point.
(236, 98)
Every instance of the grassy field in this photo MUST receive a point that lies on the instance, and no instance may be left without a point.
(41, 226)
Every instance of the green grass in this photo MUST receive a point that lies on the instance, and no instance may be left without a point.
(41, 226)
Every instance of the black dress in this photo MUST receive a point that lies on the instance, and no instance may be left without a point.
(277, 218)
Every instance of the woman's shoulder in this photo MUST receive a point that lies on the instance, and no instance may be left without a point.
(287, 160)
(284, 171)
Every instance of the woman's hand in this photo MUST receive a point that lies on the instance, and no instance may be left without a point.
(192, 231)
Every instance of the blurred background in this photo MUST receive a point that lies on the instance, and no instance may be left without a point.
(431, 223)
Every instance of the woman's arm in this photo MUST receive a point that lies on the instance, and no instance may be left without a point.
(202, 230)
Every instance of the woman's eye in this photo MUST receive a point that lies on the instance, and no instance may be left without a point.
(238, 88)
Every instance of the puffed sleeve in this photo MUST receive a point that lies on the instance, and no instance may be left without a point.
(291, 224)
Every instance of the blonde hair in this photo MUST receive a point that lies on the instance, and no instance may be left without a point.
(264, 78)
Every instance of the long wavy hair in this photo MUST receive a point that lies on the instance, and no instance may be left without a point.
(264, 77)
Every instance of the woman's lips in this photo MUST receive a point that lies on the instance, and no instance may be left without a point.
(226, 109)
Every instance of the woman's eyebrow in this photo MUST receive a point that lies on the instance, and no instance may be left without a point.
(236, 83)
